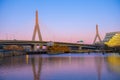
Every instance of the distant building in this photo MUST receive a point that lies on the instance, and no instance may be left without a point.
(112, 39)
(109, 35)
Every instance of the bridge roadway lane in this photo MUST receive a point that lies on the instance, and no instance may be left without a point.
(27, 42)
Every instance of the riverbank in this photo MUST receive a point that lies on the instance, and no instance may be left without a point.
(10, 53)
(19, 53)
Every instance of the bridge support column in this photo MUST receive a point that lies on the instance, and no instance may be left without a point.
(80, 47)
(36, 47)
(40, 46)
(33, 47)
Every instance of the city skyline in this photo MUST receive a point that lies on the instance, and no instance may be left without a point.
(61, 20)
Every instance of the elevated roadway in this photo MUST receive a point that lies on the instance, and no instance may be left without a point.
(27, 42)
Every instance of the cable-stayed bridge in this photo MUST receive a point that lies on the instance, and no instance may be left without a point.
(73, 46)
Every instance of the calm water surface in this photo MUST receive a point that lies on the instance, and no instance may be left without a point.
(61, 67)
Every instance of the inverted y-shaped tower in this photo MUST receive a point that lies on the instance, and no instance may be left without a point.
(37, 29)
(97, 35)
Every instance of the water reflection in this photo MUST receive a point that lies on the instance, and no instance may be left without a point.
(68, 67)
(72, 68)
(36, 73)
(27, 59)
(113, 63)
(98, 60)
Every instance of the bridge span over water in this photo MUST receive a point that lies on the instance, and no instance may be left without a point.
(74, 47)
(28, 42)
(33, 44)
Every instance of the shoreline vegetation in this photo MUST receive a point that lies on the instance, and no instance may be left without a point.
(15, 50)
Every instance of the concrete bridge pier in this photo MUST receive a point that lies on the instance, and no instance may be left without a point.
(36, 47)
(32, 47)
(80, 47)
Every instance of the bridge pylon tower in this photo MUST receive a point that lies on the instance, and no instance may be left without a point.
(36, 29)
(97, 35)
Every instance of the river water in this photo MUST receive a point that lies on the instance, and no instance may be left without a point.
(61, 67)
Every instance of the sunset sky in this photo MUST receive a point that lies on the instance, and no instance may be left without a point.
(59, 20)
